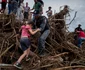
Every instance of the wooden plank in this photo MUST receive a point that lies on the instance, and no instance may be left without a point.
(68, 67)
(8, 66)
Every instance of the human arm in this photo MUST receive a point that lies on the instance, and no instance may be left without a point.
(29, 28)
(78, 31)
(33, 32)
(33, 8)
(46, 11)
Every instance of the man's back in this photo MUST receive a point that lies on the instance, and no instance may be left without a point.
(42, 23)
(79, 28)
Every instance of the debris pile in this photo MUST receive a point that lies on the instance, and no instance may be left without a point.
(61, 53)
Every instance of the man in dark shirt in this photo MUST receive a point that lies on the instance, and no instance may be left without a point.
(78, 28)
(76, 34)
(42, 23)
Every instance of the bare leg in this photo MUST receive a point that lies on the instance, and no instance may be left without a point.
(28, 51)
(22, 56)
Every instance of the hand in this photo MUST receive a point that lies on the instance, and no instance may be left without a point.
(39, 29)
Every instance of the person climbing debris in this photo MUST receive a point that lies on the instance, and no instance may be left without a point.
(20, 11)
(3, 5)
(26, 11)
(81, 37)
(14, 6)
(9, 6)
(37, 8)
(41, 2)
(42, 23)
(26, 31)
(42, 5)
(79, 27)
(49, 12)
(76, 34)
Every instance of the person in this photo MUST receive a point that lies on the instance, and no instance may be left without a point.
(14, 6)
(76, 34)
(49, 12)
(9, 7)
(81, 37)
(26, 31)
(26, 11)
(3, 5)
(21, 16)
(37, 8)
(42, 5)
(41, 2)
(79, 27)
(20, 11)
(42, 23)
(21, 4)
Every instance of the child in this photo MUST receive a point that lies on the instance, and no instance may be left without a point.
(26, 31)
(49, 12)
(26, 11)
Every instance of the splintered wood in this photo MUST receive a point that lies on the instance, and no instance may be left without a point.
(61, 53)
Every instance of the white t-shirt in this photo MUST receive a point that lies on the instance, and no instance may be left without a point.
(22, 6)
(48, 12)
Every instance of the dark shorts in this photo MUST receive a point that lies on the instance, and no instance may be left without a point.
(26, 15)
(24, 43)
(3, 5)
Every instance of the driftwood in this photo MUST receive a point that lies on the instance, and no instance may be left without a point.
(60, 51)
(68, 67)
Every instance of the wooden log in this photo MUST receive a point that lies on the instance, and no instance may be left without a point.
(6, 50)
(8, 66)
(68, 67)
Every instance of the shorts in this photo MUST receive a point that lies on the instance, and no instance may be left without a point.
(26, 15)
(3, 5)
(25, 43)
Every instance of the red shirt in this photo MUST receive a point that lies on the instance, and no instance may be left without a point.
(25, 31)
(81, 34)
(4, 0)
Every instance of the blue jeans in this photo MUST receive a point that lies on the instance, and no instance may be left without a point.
(41, 41)
(9, 8)
(80, 41)
(14, 7)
